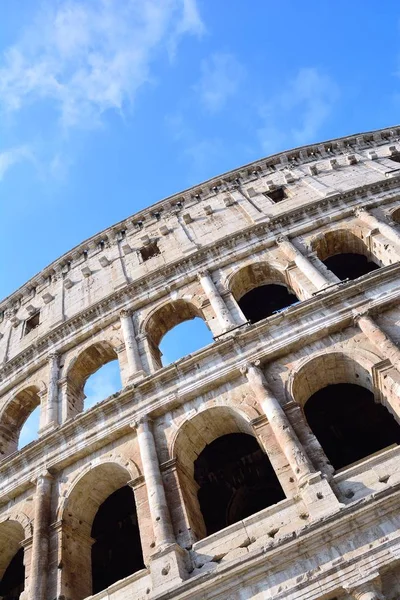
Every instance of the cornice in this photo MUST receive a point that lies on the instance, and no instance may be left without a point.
(283, 160)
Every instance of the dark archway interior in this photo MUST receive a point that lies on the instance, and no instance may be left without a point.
(117, 551)
(349, 424)
(349, 265)
(12, 584)
(263, 301)
(236, 480)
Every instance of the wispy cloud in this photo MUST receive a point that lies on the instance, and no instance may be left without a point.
(89, 57)
(12, 156)
(296, 115)
(221, 76)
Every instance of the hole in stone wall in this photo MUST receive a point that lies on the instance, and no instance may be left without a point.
(184, 339)
(236, 480)
(117, 551)
(350, 265)
(13, 581)
(263, 301)
(395, 157)
(349, 424)
(149, 251)
(102, 384)
(30, 429)
(276, 195)
(32, 323)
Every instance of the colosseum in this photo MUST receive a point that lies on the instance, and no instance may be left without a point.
(265, 465)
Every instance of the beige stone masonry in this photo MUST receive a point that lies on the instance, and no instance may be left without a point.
(40, 542)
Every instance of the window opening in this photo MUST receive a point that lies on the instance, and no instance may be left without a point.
(149, 251)
(102, 384)
(276, 195)
(263, 301)
(13, 581)
(30, 428)
(32, 323)
(117, 551)
(235, 479)
(350, 265)
(349, 424)
(183, 339)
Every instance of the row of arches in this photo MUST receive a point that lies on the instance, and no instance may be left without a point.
(181, 327)
(224, 471)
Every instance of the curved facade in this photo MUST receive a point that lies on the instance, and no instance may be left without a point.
(265, 465)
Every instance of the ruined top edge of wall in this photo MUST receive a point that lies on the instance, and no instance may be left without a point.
(282, 160)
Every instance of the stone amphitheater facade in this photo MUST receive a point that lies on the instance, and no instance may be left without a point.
(295, 518)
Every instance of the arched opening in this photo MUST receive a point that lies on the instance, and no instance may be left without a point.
(395, 216)
(345, 254)
(261, 291)
(30, 429)
(184, 339)
(116, 552)
(15, 414)
(13, 581)
(349, 424)
(12, 569)
(189, 337)
(86, 364)
(102, 384)
(235, 480)
(223, 473)
(101, 541)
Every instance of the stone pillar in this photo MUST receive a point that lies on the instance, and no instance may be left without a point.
(161, 520)
(52, 392)
(378, 338)
(305, 266)
(389, 232)
(221, 311)
(283, 431)
(40, 539)
(370, 590)
(135, 366)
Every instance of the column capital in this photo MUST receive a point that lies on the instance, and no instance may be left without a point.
(281, 239)
(371, 589)
(125, 313)
(142, 420)
(358, 314)
(42, 477)
(203, 273)
(53, 356)
(360, 211)
(245, 368)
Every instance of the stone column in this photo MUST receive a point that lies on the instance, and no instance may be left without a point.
(379, 339)
(135, 366)
(370, 590)
(305, 266)
(161, 520)
(221, 311)
(40, 539)
(283, 431)
(389, 232)
(52, 392)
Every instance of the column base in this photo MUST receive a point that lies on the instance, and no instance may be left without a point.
(318, 496)
(47, 428)
(168, 567)
(136, 377)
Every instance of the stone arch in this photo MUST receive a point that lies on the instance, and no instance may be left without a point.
(12, 534)
(165, 317)
(94, 356)
(332, 244)
(332, 388)
(260, 289)
(14, 414)
(395, 215)
(88, 492)
(196, 434)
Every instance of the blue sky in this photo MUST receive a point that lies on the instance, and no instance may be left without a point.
(107, 106)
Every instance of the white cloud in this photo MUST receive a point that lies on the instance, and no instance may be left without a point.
(12, 156)
(296, 115)
(91, 56)
(220, 80)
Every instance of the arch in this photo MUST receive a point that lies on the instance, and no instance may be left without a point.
(226, 433)
(260, 290)
(330, 387)
(14, 415)
(164, 318)
(11, 555)
(81, 368)
(92, 490)
(395, 215)
(345, 253)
